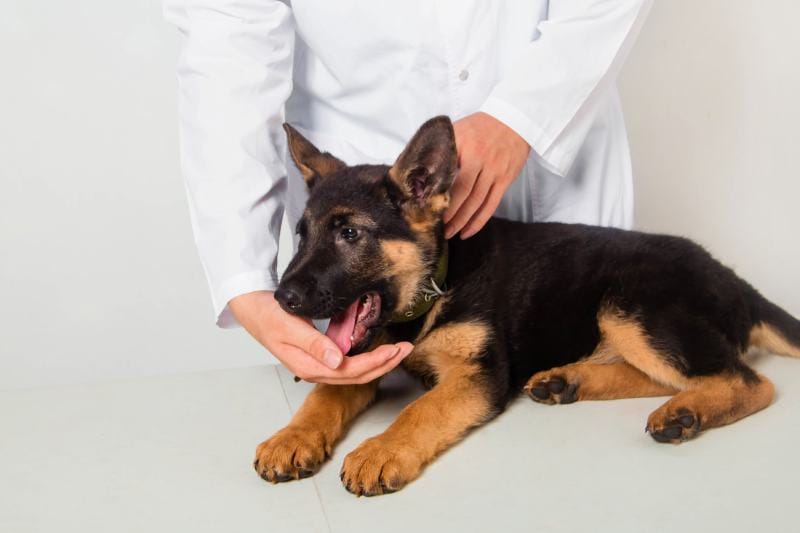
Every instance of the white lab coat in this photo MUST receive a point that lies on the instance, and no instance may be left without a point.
(358, 78)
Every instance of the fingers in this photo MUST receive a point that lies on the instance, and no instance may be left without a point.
(491, 155)
(320, 347)
(367, 366)
(472, 203)
(305, 351)
(362, 368)
(484, 213)
(385, 368)
(299, 363)
(462, 187)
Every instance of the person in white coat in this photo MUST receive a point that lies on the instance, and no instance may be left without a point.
(529, 84)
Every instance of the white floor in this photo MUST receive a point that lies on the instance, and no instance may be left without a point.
(174, 454)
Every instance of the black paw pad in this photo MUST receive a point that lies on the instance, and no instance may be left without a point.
(541, 392)
(671, 432)
(684, 425)
(570, 394)
(556, 385)
(281, 478)
(555, 389)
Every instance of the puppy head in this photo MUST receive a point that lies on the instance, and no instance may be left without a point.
(370, 235)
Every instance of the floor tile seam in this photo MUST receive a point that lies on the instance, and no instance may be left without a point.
(313, 479)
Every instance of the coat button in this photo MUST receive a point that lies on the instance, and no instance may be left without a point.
(463, 75)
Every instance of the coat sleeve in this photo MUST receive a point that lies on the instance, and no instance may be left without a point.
(551, 93)
(234, 77)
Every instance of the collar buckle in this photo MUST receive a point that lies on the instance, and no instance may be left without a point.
(429, 293)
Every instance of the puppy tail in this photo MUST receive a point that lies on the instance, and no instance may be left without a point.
(774, 329)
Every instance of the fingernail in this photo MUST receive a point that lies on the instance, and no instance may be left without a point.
(332, 359)
(404, 351)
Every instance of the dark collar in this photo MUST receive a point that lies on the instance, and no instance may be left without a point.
(431, 291)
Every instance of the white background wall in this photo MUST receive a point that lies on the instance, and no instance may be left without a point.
(98, 273)
(711, 94)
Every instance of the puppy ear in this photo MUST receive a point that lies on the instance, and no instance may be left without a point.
(426, 168)
(310, 161)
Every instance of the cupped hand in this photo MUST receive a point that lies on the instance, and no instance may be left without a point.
(306, 352)
(490, 156)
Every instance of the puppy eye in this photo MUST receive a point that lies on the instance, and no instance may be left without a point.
(348, 234)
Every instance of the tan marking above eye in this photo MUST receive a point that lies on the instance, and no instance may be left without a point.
(350, 217)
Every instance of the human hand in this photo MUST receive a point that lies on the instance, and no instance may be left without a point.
(490, 156)
(306, 352)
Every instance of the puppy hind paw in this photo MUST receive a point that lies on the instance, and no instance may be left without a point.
(551, 388)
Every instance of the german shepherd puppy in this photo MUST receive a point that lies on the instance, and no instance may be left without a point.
(565, 312)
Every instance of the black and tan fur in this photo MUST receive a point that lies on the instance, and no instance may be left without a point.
(563, 312)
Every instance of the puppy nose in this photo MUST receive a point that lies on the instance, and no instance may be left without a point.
(289, 299)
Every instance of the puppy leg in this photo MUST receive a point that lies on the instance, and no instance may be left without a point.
(593, 381)
(704, 402)
(710, 402)
(425, 428)
(298, 450)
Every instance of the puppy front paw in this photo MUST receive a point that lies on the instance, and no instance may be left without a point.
(292, 453)
(379, 467)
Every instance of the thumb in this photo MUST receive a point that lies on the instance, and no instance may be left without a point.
(323, 349)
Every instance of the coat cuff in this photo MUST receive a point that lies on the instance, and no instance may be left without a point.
(542, 143)
(235, 286)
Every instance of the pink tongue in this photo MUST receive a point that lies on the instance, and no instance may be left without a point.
(341, 327)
